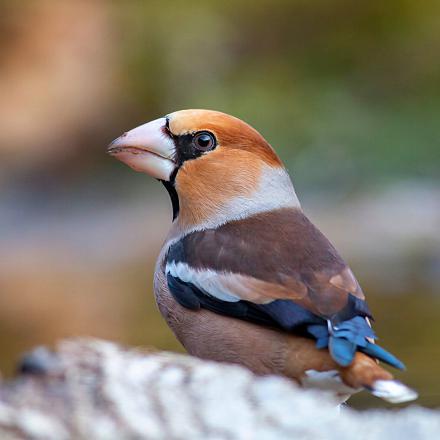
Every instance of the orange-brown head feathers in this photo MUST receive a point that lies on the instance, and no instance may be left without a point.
(231, 133)
(216, 167)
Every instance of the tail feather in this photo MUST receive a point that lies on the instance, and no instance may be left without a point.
(365, 372)
(392, 391)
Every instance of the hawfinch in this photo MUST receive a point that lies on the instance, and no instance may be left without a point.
(244, 276)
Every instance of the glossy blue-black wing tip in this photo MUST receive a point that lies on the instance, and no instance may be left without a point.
(381, 354)
(347, 338)
(342, 350)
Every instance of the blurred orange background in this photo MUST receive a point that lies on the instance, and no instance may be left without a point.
(347, 93)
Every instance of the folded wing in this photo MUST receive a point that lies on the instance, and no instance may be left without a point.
(275, 268)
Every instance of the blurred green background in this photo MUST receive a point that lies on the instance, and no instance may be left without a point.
(347, 92)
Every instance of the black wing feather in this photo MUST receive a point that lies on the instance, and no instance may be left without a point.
(283, 314)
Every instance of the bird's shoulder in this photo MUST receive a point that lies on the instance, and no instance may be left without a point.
(279, 251)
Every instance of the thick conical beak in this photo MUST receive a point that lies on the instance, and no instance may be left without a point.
(147, 148)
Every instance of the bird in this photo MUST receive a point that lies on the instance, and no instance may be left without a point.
(244, 276)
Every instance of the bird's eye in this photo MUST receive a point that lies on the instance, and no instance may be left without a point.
(204, 141)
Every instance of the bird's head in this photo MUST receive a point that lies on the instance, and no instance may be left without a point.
(216, 167)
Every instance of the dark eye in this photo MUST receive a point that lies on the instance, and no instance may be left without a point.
(204, 141)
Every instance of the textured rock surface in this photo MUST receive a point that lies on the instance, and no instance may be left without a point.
(91, 389)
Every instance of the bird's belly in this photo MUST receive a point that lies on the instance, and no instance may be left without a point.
(220, 338)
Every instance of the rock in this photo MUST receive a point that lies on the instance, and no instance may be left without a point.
(92, 389)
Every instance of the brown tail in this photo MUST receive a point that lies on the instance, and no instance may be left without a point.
(365, 372)
(305, 363)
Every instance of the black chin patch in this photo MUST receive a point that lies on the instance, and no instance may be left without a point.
(169, 185)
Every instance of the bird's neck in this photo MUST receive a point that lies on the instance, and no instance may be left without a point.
(212, 206)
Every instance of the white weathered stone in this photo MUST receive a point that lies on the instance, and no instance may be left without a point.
(92, 389)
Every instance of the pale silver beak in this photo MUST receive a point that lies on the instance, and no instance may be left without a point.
(147, 149)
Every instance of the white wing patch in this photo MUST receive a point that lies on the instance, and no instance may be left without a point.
(207, 280)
